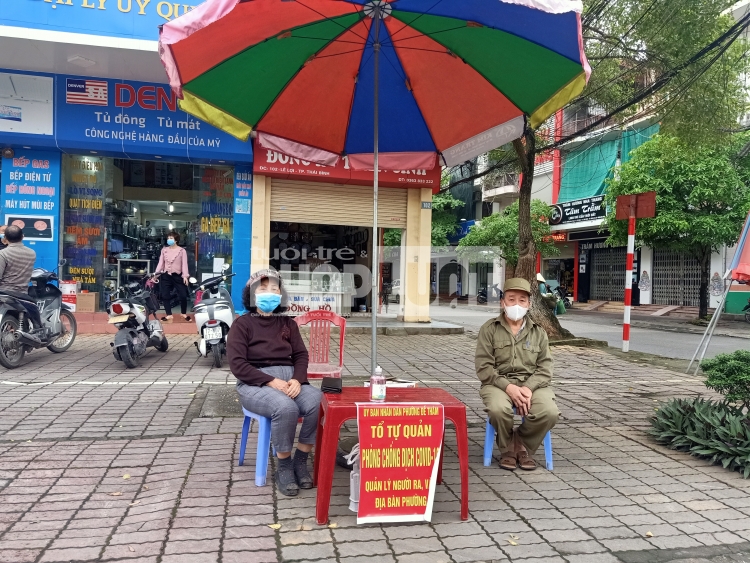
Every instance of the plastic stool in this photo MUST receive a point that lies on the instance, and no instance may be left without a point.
(264, 444)
(489, 444)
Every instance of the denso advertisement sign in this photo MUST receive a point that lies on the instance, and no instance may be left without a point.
(137, 120)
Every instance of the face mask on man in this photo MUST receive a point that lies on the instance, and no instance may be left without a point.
(516, 312)
(267, 302)
(170, 241)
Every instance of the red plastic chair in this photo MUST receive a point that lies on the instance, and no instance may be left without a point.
(320, 342)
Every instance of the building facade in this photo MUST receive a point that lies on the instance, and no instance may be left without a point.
(99, 164)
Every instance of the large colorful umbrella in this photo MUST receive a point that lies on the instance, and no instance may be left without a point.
(317, 79)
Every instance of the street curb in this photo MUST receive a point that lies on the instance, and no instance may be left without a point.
(685, 330)
(580, 342)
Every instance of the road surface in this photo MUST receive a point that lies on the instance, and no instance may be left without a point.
(662, 343)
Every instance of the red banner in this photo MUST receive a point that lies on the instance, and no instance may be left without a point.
(399, 456)
(278, 165)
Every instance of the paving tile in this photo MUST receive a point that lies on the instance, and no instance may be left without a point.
(361, 549)
(428, 557)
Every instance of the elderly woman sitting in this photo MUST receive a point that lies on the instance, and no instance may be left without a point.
(269, 359)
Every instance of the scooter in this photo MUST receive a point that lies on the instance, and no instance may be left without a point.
(214, 315)
(746, 310)
(136, 333)
(497, 295)
(18, 335)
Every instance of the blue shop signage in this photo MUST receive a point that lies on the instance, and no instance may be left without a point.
(30, 199)
(133, 19)
(136, 120)
(242, 230)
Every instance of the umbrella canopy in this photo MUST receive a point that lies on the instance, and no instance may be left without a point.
(741, 264)
(456, 78)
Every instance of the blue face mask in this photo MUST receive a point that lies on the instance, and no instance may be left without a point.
(170, 241)
(267, 302)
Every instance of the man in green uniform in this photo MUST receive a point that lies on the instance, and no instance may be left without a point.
(514, 364)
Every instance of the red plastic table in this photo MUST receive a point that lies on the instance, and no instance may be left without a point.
(335, 409)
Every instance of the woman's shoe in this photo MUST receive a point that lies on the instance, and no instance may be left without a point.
(304, 479)
(285, 479)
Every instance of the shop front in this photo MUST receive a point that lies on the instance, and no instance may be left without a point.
(314, 223)
(586, 265)
(99, 171)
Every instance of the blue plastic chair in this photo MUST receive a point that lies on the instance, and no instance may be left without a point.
(489, 444)
(264, 444)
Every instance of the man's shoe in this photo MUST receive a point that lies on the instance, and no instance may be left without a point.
(304, 479)
(285, 480)
(508, 460)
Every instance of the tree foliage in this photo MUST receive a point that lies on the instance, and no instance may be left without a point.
(497, 235)
(729, 374)
(702, 198)
(631, 43)
(444, 222)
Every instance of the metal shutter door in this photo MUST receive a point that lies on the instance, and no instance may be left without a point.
(330, 204)
(676, 278)
(608, 274)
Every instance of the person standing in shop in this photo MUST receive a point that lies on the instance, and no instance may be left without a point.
(3, 241)
(173, 265)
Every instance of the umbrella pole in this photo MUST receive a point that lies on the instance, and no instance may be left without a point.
(375, 254)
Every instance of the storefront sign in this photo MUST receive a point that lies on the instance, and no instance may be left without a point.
(25, 104)
(31, 200)
(278, 165)
(242, 231)
(399, 449)
(86, 184)
(592, 245)
(579, 210)
(135, 19)
(557, 237)
(136, 120)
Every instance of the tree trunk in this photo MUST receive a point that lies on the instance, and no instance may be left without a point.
(526, 267)
(705, 264)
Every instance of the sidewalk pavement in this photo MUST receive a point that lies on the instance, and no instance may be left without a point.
(99, 463)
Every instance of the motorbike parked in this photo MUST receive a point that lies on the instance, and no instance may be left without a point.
(746, 310)
(214, 315)
(562, 295)
(19, 335)
(497, 294)
(130, 314)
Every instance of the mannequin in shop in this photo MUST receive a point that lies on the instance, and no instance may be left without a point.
(269, 359)
(173, 265)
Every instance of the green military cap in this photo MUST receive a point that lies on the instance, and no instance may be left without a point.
(518, 284)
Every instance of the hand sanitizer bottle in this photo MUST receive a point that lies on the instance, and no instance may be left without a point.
(377, 386)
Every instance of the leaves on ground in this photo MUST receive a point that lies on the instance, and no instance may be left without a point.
(126, 476)
(116, 494)
(274, 526)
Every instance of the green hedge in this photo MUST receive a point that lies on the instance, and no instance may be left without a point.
(717, 431)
